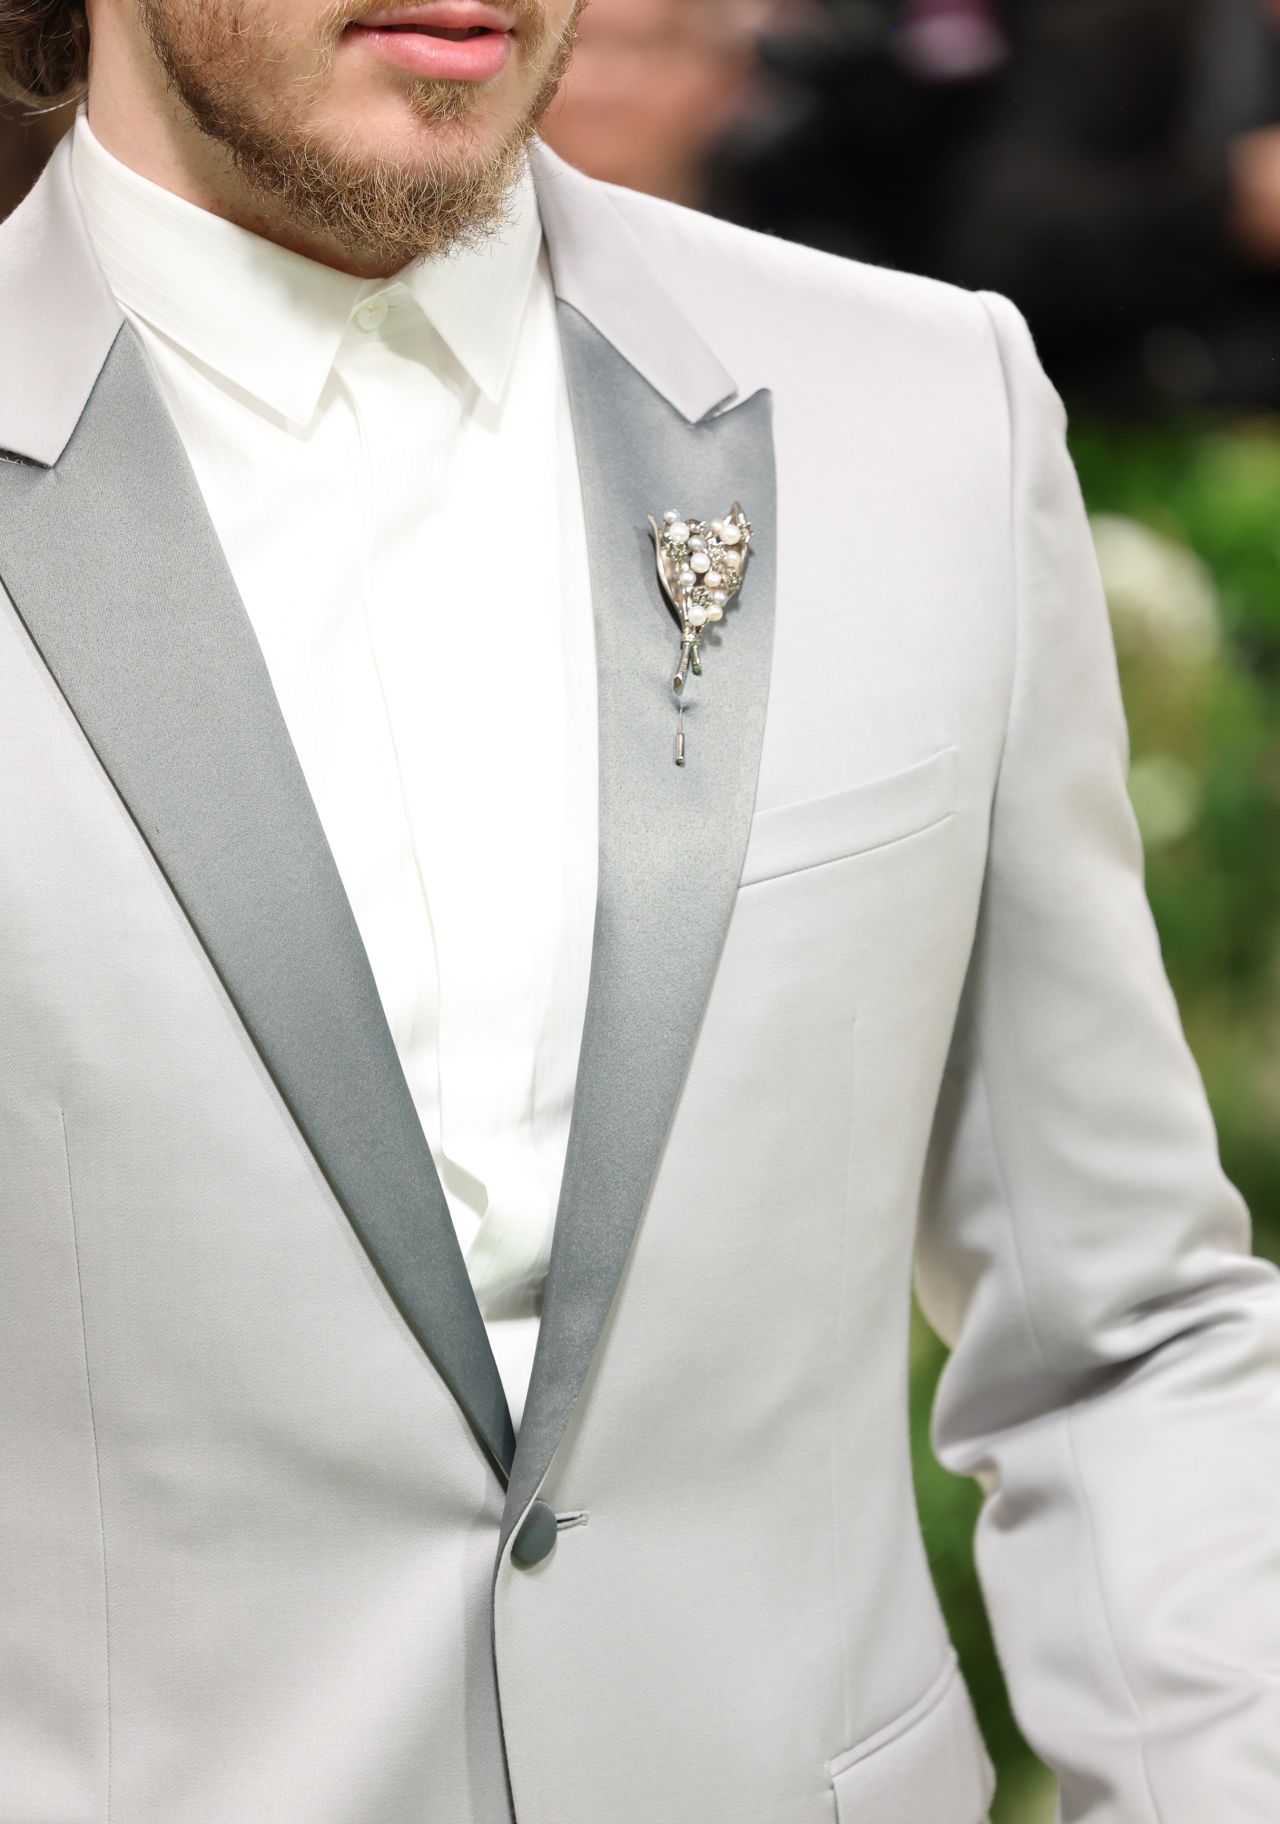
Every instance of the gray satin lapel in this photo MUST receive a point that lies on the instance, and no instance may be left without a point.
(115, 569)
(672, 839)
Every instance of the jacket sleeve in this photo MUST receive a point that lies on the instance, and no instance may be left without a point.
(1114, 1381)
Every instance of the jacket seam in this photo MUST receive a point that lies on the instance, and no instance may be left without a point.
(97, 1460)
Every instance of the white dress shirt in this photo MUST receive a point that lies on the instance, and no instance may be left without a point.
(389, 466)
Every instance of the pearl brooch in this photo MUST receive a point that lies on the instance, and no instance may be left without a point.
(701, 565)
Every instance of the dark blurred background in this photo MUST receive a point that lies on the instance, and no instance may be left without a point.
(1114, 167)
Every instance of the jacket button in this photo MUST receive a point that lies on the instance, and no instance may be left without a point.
(536, 1537)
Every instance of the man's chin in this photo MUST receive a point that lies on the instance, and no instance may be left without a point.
(421, 186)
(408, 124)
(352, 167)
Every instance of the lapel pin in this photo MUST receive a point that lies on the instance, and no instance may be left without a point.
(701, 564)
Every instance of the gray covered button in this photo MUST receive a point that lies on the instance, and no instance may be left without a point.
(536, 1537)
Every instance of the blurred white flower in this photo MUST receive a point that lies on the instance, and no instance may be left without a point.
(1159, 592)
(1165, 794)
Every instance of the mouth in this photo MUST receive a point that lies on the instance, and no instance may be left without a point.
(457, 40)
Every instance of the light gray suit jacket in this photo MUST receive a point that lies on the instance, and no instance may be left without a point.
(874, 983)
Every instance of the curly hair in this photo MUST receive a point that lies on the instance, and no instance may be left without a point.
(44, 51)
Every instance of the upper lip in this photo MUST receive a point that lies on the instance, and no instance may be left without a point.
(446, 15)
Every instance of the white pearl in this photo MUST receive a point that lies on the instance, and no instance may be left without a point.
(714, 579)
(731, 535)
(678, 532)
(686, 579)
(717, 526)
(715, 614)
(670, 517)
(700, 562)
(720, 599)
(731, 560)
(697, 617)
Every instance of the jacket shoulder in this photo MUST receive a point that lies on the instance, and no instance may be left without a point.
(727, 276)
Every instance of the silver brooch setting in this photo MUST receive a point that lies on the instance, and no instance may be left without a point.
(701, 564)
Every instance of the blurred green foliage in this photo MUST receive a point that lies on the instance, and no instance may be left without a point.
(1187, 518)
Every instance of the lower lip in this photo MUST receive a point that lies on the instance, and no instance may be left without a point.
(476, 59)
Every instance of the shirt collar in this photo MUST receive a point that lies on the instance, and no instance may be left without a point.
(271, 321)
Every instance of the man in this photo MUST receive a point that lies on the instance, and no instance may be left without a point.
(346, 850)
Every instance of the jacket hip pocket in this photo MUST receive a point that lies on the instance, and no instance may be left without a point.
(928, 1766)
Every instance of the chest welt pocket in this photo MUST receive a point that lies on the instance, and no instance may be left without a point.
(861, 817)
(929, 1765)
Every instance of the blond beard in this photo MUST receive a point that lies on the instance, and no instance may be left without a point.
(379, 211)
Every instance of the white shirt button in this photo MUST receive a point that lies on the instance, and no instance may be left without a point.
(372, 313)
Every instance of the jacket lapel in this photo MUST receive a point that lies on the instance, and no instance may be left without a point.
(109, 556)
(672, 839)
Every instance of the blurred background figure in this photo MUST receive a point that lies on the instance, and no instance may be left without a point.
(658, 86)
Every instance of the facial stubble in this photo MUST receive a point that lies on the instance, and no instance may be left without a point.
(230, 74)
